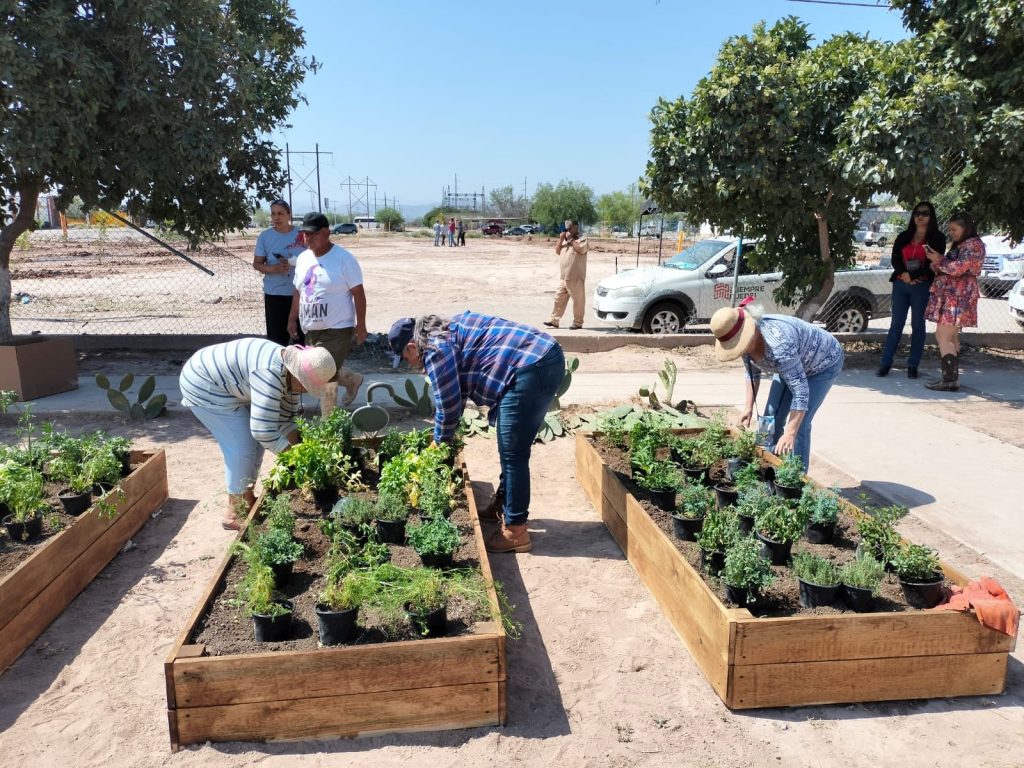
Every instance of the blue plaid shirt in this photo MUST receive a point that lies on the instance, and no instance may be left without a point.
(476, 361)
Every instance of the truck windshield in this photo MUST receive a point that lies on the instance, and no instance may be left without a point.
(696, 255)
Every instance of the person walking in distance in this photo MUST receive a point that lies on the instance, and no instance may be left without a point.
(451, 233)
(438, 237)
(328, 299)
(572, 250)
(462, 232)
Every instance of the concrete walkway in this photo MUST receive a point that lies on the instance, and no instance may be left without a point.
(877, 431)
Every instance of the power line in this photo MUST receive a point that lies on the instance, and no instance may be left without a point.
(886, 6)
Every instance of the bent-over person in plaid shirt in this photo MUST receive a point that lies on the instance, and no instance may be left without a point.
(513, 369)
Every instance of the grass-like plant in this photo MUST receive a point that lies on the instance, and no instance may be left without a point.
(863, 572)
(354, 589)
(390, 508)
(815, 570)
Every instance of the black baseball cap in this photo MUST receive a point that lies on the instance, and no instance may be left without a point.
(399, 336)
(314, 222)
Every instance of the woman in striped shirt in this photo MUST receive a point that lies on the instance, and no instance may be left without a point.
(246, 392)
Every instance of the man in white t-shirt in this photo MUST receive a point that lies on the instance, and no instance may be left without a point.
(329, 301)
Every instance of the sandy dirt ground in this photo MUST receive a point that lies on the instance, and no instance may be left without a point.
(598, 679)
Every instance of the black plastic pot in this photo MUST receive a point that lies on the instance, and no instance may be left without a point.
(75, 503)
(273, 629)
(440, 562)
(924, 594)
(696, 474)
(734, 465)
(324, 498)
(816, 595)
(357, 532)
(787, 491)
(687, 528)
(431, 624)
(391, 531)
(282, 573)
(725, 496)
(31, 529)
(336, 627)
(664, 500)
(776, 551)
(713, 561)
(101, 488)
(126, 463)
(819, 533)
(737, 595)
(767, 474)
(858, 599)
(746, 523)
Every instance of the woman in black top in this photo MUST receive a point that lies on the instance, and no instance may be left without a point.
(911, 281)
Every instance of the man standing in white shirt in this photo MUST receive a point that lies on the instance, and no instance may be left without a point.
(329, 301)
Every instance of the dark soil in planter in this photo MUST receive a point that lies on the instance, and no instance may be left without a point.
(225, 630)
(726, 496)
(782, 598)
(746, 523)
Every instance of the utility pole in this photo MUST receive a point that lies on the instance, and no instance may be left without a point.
(288, 165)
(304, 180)
(319, 197)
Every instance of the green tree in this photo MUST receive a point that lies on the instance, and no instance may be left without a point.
(782, 139)
(504, 202)
(619, 209)
(552, 205)
(982, 43)
(391, 218)
(158, 107)
(437, 214)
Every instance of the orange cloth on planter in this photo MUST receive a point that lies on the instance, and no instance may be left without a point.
(990, 602)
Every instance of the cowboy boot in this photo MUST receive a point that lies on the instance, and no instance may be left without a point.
(510, 538)
(351, 381)
(950, 381)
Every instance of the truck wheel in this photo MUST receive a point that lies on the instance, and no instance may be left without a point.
(849, 318)
(666, 317)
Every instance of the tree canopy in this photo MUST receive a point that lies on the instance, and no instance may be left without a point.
(782, 139)
(552, 205)
(162, 107)
(390, 218)
(619, 209)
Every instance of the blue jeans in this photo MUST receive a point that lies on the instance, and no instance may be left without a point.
(242, 454)
(914, 298)
(521, 411)
(780, 398)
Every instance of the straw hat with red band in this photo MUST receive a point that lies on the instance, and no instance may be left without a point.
(734, 331)
(312, 366)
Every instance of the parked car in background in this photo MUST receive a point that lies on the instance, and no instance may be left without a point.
(697, 281)
(1004, 266)
(521, 229)
(344, 229)
(1016, 302)
(492, 228)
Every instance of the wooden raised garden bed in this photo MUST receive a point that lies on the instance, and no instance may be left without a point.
(43, 585)
(796, 660)
(339, 691)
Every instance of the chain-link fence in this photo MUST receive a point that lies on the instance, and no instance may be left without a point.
(114, 280)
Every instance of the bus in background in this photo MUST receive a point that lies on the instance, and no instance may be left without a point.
(366, 222)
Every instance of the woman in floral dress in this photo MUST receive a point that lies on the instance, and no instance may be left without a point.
(953, 303)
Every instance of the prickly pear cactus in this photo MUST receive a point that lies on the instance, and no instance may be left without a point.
(146, 405)
(420, 403)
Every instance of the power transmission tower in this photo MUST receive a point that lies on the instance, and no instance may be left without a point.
(360, 200)
(304, 180)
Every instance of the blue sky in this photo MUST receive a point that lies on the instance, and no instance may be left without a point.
(411, 94)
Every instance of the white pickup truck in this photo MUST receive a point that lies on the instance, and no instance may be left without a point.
(689, 287)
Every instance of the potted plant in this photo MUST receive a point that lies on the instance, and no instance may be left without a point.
(789, 477)
(355, 515)
(719, 532)
(435, 496)
(317, 466)
(661, 481)
(279, 550)
(818, 577)
(103, 466)
(742, 452)
(425, 600)
(878, 535)
(694, 504)
(435, 541)
(271, 615)
(681, 450)
(920, 574)
(752, 499)
(820, 511)
(746, 572)
(21, 492)
(749, 476)
(338, 608)
(860, 579)
(390, 514)
(68, 466)
(778, 526)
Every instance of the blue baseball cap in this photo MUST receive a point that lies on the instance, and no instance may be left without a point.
(399, 336)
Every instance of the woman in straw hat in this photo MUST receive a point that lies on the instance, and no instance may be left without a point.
(246, 392)
(805, 360)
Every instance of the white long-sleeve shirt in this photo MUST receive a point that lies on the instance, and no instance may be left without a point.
(244, 373)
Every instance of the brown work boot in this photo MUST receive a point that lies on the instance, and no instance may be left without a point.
(510, 538)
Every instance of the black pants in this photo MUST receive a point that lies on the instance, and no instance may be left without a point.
(276, 309)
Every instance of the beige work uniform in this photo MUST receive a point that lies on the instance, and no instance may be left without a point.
(573, 272)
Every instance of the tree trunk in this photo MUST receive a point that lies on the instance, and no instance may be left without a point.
(28, 196)
(812, 304)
